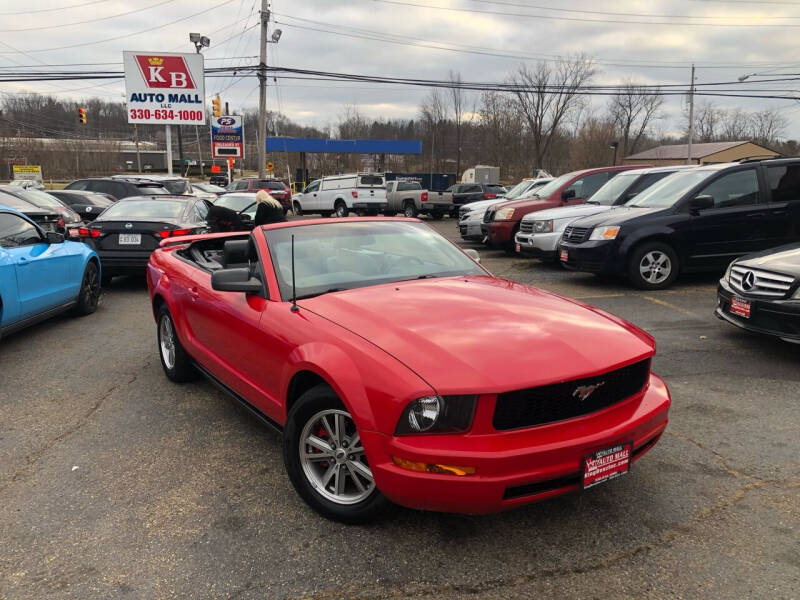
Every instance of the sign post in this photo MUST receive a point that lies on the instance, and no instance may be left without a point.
(164, 88)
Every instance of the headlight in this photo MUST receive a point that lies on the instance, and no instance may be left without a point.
(727, 276)
(543, 226)
(503, 214)
(437, 414)
(604, 233)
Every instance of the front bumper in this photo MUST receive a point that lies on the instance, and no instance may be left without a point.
(434, 207)
(470, 229)
(543, 246)
(513, 467)
(779, 318)
(593, 257)
(500, 233)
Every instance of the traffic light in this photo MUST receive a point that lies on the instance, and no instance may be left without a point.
(82, 115)
(216, 106)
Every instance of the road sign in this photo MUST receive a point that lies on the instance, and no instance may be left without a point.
(27, 172)
(227, 137)
(164, 88)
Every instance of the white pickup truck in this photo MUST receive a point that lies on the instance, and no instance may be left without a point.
(362, 193)
(409, 198)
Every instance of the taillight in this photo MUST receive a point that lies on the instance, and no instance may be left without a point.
(423, 197)
(61, 222)
(488, 196)
(173, 233)
(86, 232)
(354, 193)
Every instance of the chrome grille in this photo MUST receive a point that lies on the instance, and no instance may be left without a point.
(526, 227)
(575, 234)
(462, 212)
(761, 283)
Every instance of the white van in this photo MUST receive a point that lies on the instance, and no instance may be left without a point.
(362, 193)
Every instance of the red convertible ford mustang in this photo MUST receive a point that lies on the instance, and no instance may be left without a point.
(399, 369)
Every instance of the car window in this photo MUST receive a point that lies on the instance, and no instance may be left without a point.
(645, 181)
(200, 211)
(498, 189)
(237, 202)
(80, 184)
(241, 185)
(784, 181)
(16, 231)
(144, 209)
(69, 199)
(585, 187)
(474, 189)
(734, 189)
(270, 184)
(312, 187)
(179, 187)
(371, 180)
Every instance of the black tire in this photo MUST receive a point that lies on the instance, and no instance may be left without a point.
(307, 407)
(511, 247)
(410, 210)
(340, 209)
(662, 274)
(437, 216)
(89, 294)
(297, 209)
(181, 369)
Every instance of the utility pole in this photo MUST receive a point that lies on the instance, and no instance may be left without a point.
(691, 119)
(138, 156)
(199, 150)
(262, 92)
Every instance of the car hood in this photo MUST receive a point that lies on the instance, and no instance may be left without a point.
(481, 205)
(566, 212)
(618, 216)
(784, 259)
(480, 334)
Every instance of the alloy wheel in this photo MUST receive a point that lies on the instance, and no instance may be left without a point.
(166, 341)
(90, 292)
(655, 267)
(333, 459)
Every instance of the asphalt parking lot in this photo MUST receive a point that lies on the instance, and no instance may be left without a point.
(115, 483)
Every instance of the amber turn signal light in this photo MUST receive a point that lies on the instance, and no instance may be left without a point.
(432, 467)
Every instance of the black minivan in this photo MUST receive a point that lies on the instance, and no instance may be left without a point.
(697, 220)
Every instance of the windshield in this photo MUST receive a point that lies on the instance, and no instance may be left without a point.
(611, 191)
(351, 255)
(208, 187)
(153, 189)
(144, 209)
(178, 187)
(549, 188)
(237, 202)
(15, 203)
(670, 189)
(41, 199)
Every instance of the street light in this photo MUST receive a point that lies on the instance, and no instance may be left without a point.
(199, 41)
(614, 145)
(276, 36)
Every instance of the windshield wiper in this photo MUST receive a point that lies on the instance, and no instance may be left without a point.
(328, 291)
(592, 202)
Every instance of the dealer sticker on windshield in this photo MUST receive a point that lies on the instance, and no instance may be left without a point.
(605, 465)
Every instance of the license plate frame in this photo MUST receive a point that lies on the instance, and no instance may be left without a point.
(130, 239)
(517, 248)
(563, 255)
(604, 465)
(741, 307)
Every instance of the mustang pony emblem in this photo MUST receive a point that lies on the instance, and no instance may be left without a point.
(582, 392)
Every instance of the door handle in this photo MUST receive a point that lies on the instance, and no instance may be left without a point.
(23, 262)
(194, 293)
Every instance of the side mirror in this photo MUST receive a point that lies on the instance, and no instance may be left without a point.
(54, 237)
(701, 202)
(567, 194)
(473, 254)
(235, 280)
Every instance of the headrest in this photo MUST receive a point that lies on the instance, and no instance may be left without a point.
(236, 252)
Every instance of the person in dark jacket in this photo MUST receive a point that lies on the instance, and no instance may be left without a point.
(221, 219)
(268, 210)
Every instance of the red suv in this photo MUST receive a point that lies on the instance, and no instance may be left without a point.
(276, 188)
(501, 221)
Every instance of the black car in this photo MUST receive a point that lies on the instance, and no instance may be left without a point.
(127, 232)
(761, 292)
(46, 219)
(696, 220)
(119, 187)
(87, 204)
(69, 222)
(464, 193)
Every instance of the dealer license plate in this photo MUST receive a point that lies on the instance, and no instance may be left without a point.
(605, 465)
(563, 256)
(130, 239)
(740, 307)
(517, 248)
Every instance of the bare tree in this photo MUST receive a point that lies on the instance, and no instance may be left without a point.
(434, 116)
(633, 110)
(735, 124)
(708, 119)
(545, 97)
(457, 103)
(767, 126)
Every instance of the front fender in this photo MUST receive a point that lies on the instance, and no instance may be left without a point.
(642, 234)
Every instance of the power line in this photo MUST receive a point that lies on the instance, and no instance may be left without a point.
(49, 10)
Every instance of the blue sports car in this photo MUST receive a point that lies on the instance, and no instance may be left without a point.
(42, 275)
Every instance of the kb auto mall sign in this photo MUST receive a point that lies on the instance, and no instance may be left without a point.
(164, 88)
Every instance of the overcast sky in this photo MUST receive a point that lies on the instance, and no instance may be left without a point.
(740, 36)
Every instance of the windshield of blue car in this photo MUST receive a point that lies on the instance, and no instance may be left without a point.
(337, 256)
(238, 202)
(549, 188)
(669, 190)
(612, 190)
(144, 209)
